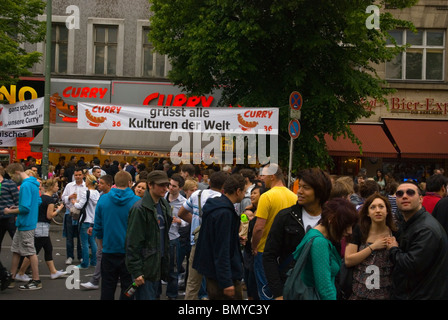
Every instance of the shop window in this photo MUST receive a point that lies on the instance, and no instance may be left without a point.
(154, 64)
(59, 48)
(423, 60)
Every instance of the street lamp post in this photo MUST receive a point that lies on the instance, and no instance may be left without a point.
(46, 128)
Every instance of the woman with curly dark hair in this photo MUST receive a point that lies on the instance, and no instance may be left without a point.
(366, 251)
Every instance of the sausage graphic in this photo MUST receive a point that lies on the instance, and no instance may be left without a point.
(96, 120)
(245, 123)
(63, 106)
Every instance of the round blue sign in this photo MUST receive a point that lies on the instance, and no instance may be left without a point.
(294, 128)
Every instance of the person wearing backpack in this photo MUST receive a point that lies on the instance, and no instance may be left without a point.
(321, 265)
(191, 213)
(218, 256)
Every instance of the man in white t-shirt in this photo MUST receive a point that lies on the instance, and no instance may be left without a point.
(72, 191)
(309, 221)
(190, 213)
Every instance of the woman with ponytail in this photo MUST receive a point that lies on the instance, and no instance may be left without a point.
(91, 196)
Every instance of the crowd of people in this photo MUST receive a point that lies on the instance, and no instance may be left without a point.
(217, 232)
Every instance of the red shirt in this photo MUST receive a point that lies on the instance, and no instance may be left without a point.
(430, 200)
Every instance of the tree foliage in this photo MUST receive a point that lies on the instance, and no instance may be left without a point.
(259, 51)
(19, 25)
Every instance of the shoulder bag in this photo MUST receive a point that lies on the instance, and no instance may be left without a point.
(295, 288)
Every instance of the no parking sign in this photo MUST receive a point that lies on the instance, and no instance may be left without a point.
(294, 128)
(295, 102)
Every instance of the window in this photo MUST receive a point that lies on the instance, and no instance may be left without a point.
(423, 60)
(105, 49)
(105, 46)
(62, 47)
(154, 64)
(59, 48)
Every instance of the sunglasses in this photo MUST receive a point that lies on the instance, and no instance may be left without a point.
(409, 192)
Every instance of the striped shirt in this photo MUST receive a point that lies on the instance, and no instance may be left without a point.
(393, 203)
(9, 196)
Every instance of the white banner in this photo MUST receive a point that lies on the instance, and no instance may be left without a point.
(22, 114)
(192, 119)
(8, 137)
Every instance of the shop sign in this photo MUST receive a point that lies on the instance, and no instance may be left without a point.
(8, 137)
(149, 118)
(137, 153)
(410, 105)
(11, 95)
(158, 94)
(426, 106)
(179, 100)
(66, 93)
(22, 114)
(85, 151)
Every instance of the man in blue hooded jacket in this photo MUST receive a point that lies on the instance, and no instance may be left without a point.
(27, 212)
(218, 256)
(110, 224)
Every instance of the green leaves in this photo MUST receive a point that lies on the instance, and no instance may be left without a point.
(18, 25)
(259, 51)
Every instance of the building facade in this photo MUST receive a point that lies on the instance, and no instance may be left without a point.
(101, 53)
(409, 136)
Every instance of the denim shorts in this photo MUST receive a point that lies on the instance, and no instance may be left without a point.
(23, 243)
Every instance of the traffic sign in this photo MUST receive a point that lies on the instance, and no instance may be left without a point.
(295, 100)
(294, 128)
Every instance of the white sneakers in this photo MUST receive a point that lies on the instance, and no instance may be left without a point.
(23, 277)
(26, 278)
(90, 286)
(58, 274)
(68, 261)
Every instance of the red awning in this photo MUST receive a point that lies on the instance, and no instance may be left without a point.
(420, 138)
(375, 143)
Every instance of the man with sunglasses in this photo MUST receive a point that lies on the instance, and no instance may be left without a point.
(421, 254)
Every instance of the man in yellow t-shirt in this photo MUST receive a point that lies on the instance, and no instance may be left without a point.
(271, 202)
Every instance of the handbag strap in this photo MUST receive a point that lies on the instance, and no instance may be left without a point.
(87, 199)
(82, 218)
(303, 257)
(199, 204)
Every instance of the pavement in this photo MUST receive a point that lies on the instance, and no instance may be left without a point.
(63, 288)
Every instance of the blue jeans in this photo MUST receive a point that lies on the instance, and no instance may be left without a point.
(264, 293)
(184, 253)
(70, 232)
(87, 241)
(172, 285)
(150, 290)
(203, 290)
